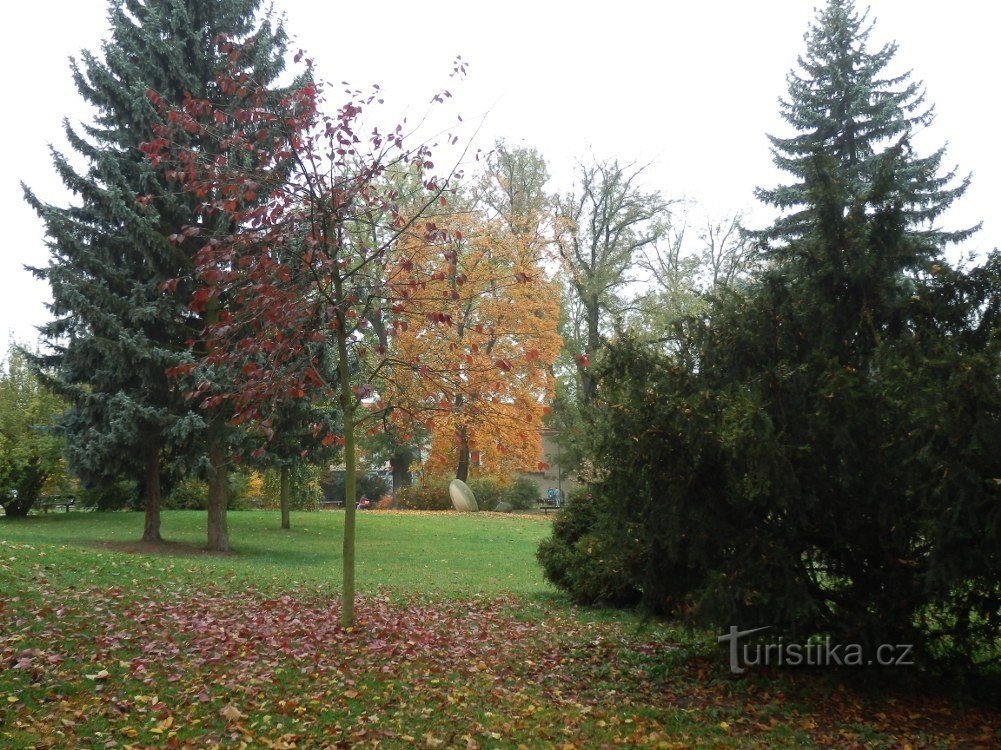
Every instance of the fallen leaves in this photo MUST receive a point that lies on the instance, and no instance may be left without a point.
(163, 665)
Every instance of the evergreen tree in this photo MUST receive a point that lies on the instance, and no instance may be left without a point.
(844, 104)
(821, 452)
(115, 332)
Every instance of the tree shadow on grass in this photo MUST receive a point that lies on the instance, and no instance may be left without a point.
(173, 549)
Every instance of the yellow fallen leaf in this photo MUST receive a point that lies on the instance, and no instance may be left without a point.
(724, 726)
(231, 713)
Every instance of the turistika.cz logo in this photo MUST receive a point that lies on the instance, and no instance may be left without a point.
(823, 653)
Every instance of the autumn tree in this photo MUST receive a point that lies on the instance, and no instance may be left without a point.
(297, 222)
(114, 333)
(488, 320)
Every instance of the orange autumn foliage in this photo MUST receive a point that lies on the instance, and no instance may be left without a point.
(484, 333)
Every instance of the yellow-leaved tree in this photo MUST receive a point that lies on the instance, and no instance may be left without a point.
(489, 320)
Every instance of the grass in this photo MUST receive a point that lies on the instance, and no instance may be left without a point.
(459, 643)
(406, 553)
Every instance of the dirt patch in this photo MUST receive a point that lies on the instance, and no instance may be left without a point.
(172, 549)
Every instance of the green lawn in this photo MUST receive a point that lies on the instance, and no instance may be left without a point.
(459, 643)
(411, 553)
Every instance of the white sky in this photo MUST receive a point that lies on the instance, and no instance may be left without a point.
(691, 86)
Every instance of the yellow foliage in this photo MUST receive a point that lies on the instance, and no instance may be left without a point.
(480, 331)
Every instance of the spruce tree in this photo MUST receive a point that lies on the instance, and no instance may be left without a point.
(820, 454)
(115, 331)
(845, 105)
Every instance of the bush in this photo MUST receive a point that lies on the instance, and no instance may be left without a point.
(305, 487)
(432, 495)
(372, 486)
(593, 567)
(487, 490)
(190, 493)
(522, 493)
(114, 496)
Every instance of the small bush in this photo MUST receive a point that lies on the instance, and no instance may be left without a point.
(372, 486)
(115, 496)
(430, 496)
(305, 487)
(488, 491)
(191, 493)
(592, 567)
(522, 493)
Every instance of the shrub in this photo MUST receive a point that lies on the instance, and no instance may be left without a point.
(432, 495)
(117, 495)
(591, 566)
(522, 493)
(488, 491)
(370, 485)
(191, 493)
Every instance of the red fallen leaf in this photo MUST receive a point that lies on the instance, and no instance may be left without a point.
(503, 364)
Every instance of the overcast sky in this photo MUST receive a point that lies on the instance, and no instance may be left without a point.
(691, 87)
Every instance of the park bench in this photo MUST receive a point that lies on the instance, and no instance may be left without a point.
(552, 500)
(55, 502)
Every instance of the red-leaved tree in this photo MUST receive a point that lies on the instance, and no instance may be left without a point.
(300, 255)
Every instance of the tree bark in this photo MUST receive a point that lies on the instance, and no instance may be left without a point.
(283, 499)
(151, 529)
(218, 537)
(350, 491)
(400, 464)
(462, 470)
(589, 388)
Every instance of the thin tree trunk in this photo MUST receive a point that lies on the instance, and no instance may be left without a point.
(400, 464)
(462, 470)
(218, 540)
(218, 537)
(348, 408)
(283, 498)
(589, 386)
(151, 530)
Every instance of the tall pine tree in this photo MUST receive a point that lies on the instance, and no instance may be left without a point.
(845, 105)
(115, 332)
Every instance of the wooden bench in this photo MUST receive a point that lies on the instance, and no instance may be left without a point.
(550, 502)
(55, 502)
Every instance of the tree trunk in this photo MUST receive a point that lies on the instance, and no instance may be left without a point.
(462, 470)
(151, 530)
(283, 497)
(218, 540)
(348, 410)
(400, 464)
(589, 387)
